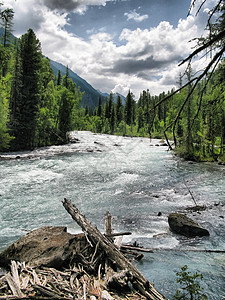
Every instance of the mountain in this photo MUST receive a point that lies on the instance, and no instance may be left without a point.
(91, 95)
(115, 95)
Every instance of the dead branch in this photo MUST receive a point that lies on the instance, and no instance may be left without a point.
(112, 252)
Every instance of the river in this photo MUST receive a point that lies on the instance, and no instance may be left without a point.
(134, 179)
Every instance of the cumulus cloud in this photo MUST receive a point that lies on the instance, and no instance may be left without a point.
(133, 15)
(121, 88)
(27, 15)
(145, 58)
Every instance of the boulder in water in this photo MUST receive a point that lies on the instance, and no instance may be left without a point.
(180, 223)
(47, 246)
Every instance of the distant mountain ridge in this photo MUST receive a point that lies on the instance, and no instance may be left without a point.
(91, 95)
(115, 95)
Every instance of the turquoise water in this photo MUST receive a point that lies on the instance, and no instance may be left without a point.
(132, 178)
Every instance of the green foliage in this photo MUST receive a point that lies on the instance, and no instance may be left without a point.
(5, 56)
(35, 109)
(190, 287)
(26, 99)
(38, 109)
(129, 110)
(5, 138)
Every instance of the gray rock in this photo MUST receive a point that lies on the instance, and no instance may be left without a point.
(46, 246)
(183, 225)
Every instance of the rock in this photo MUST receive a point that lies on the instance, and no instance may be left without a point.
(47, 246)
(183, 225)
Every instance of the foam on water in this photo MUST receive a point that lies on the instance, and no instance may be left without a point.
(134, 181)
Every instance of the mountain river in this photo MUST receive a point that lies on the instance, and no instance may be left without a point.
(134, 179)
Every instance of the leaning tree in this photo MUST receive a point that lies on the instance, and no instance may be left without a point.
(213, 43)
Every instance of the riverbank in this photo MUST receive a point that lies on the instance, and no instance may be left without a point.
(80, 142)
(92, 258)
(89, 142)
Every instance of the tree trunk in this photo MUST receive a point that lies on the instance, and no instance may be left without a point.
(113, 253)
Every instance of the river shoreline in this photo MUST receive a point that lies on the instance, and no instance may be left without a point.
(80, 142)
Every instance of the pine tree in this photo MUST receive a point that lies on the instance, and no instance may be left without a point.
(7, 16)
(16, 95)
(119, 110)
(26, 106)
(128, 111)
(65, 115)
(66, 78)
(59, 78)
(99, 108)
(106, 109)
(7, 23)
(112, 120)
(110, 105)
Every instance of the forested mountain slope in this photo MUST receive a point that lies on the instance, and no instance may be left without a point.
(91, 95)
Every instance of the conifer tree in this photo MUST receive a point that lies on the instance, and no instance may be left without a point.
(99, 108)
(7, 16)
(65, 114)
(26, 105)
(112, 120)
(106, 108)
(16, 95)
(66, 78)
(59, 78)
(119, 110)
(110, 105)
(128, 111)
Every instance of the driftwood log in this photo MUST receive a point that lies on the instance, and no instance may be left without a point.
(139, 282)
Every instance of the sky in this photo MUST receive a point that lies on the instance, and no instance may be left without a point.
(116, 45)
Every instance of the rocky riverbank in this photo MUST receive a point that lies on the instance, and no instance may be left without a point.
(79, 142)
(52, 263)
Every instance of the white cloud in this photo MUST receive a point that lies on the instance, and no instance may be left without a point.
(133, 15)
(28, 14)
(147, 59)
(121, 88)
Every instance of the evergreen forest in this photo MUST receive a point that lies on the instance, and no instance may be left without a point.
(38, 108)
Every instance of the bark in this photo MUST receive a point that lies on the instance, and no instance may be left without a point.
(113, 253)
(130, 247)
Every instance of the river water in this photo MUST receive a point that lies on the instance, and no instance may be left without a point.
(134, 179)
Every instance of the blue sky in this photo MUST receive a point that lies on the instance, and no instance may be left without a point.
(116, 15)
(116, 45)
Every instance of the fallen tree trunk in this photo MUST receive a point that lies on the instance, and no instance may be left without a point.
(131, 247)
(118, 234)
(113, 253)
